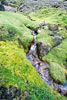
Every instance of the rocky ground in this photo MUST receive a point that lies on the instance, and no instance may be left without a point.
(27, 6)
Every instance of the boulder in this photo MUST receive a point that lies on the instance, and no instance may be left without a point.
(2, 8)
(42, 48)
(9, 8)
(58, 41)
(53, 27)
(53, 34)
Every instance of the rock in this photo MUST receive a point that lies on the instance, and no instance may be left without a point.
(66, 27)
(58, 40)
(53, 34)
(43, 24)
(9, 8)
(46, 27)
(4, 2)
(2, 8)
(53, 27)
(56, 5)
(64, 91)
(9, 93)
(43, 49)
(39, 30)
(60, 28)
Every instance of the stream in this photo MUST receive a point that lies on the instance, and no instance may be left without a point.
(43, 68)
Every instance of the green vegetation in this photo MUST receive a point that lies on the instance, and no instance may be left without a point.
(57, 73)
(43, 36)
(52, 16)
(16, 70)
(58, 54)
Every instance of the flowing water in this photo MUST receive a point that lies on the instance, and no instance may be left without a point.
(43, 68)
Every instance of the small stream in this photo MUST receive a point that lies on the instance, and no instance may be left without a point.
(43, 68)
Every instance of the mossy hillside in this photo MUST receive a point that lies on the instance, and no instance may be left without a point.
(14, 25)
(16, 70)
(52, 16)
(57, 73)
(18, 19)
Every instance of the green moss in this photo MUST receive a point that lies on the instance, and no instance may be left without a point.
(44, 36)
(58, 54)
(9, 32)
(52, 16)
(57, 72)
(14, 25)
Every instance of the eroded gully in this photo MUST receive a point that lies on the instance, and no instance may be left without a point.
(43, 68)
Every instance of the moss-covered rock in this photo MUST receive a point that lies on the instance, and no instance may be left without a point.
(57, 73)
(58, 54)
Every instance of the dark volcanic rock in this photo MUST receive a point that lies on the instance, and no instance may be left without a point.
(10, 93)
(42, 48)
(2, 8)
(53, 27)
(53, 34)
(58, 40)
(33, 5)
(9, 8)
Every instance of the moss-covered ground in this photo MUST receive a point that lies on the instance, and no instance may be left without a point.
(15, 68)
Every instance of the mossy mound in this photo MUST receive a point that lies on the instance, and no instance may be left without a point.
(57, 73)
(58, 54)
(14, 25)
(44, 36)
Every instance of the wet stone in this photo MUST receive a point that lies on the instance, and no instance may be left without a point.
(46, 27)
(53, 27)
(42, 48)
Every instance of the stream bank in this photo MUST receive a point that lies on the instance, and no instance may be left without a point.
(43, 68)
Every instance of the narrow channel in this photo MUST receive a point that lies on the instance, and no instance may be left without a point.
(43, 68)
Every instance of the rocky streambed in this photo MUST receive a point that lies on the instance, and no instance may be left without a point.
(43, 68)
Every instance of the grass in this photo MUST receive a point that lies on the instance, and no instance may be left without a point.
(56, 71)
(52, 16)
